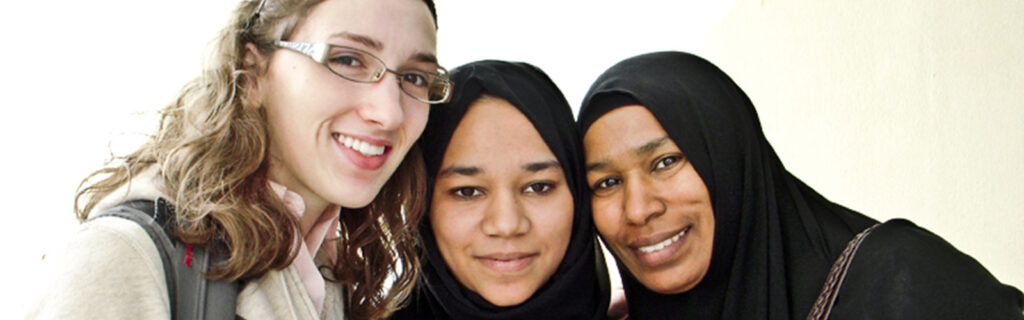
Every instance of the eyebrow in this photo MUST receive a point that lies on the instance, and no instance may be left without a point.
(643, 150)
(600, 165)
(425, 57)
(372, 43)
(540, 166)
(461, 170)
(364, 40)
(473, 170)
(650, 146)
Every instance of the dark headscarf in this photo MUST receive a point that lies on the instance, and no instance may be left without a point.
(775, 238)
(579, 287)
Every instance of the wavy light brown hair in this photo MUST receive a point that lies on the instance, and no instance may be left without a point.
(212, 148)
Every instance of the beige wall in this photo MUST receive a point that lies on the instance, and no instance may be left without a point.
(909, 109)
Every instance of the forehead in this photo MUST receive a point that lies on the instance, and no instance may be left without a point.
(494, 131)
(620, 132)
(403, 27)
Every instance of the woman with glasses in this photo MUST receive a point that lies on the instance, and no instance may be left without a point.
(293, 156)
(508, 233)
(706, 223)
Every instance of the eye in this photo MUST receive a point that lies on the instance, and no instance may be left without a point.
(348, 60)
(539, 187)
(466, 192)
(605, 184)
(667, 162)
(419, 79)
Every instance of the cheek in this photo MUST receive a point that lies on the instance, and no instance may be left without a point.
(606, 217)
(562, 222)
(416, 121)
(552, 226)
(452, 227)
(288, 116)
(284, 133)
(688, 185)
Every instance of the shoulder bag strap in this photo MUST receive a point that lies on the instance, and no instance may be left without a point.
(823, 306)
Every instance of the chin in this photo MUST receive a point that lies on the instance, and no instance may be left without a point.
(670, 290)
(668, 284)
(361, 193)
(506, 299)
(355, 198)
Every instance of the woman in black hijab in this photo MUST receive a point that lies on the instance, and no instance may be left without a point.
(706, 223)
(576, 287)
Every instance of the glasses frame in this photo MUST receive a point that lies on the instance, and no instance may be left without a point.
(319, 51)
(256, 15)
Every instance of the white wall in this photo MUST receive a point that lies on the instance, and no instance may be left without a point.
(79, 79)
(908, 109)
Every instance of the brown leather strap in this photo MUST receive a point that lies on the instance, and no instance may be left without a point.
(827, 298)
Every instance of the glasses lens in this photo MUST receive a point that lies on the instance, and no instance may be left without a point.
(354, 65)
(426, 87)
(440, 90)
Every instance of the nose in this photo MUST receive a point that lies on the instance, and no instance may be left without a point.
(505, 217)
(640, 202)
(383, 104)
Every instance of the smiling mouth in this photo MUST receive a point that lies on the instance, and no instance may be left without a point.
(363, 147)
(664, 243)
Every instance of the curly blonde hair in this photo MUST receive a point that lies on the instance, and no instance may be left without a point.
(211, 148)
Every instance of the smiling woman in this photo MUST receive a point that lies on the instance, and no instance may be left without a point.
(694, 202)
(508, 234)
(501, 209)
(661, 223)
(290, 164)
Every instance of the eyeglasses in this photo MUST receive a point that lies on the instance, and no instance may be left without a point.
(357, 65)
(256, 15)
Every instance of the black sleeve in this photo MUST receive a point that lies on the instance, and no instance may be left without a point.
(902, 271)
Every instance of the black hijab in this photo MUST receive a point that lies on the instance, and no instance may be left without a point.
(776, 238)
(762, 212)
(579, 287)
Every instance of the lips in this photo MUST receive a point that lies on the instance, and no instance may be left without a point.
(365, 153)
(506, 263)
(664, 243)
(659, 249)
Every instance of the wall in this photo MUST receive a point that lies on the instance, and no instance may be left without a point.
(909, 109)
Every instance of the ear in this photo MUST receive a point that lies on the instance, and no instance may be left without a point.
(253, 58)
(254, 64)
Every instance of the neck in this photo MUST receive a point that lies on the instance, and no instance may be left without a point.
(314, 209)
(302, 202)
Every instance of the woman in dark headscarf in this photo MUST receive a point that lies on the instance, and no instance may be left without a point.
(509, 233)
(706, 223)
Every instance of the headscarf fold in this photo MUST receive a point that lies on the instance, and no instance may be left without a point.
(579, 287)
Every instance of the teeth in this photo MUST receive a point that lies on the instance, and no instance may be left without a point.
(367, 149)
(663, 244)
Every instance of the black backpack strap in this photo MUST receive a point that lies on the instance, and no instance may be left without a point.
(199, 298)
(192, 296)
(205, 299)
(143, 212)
